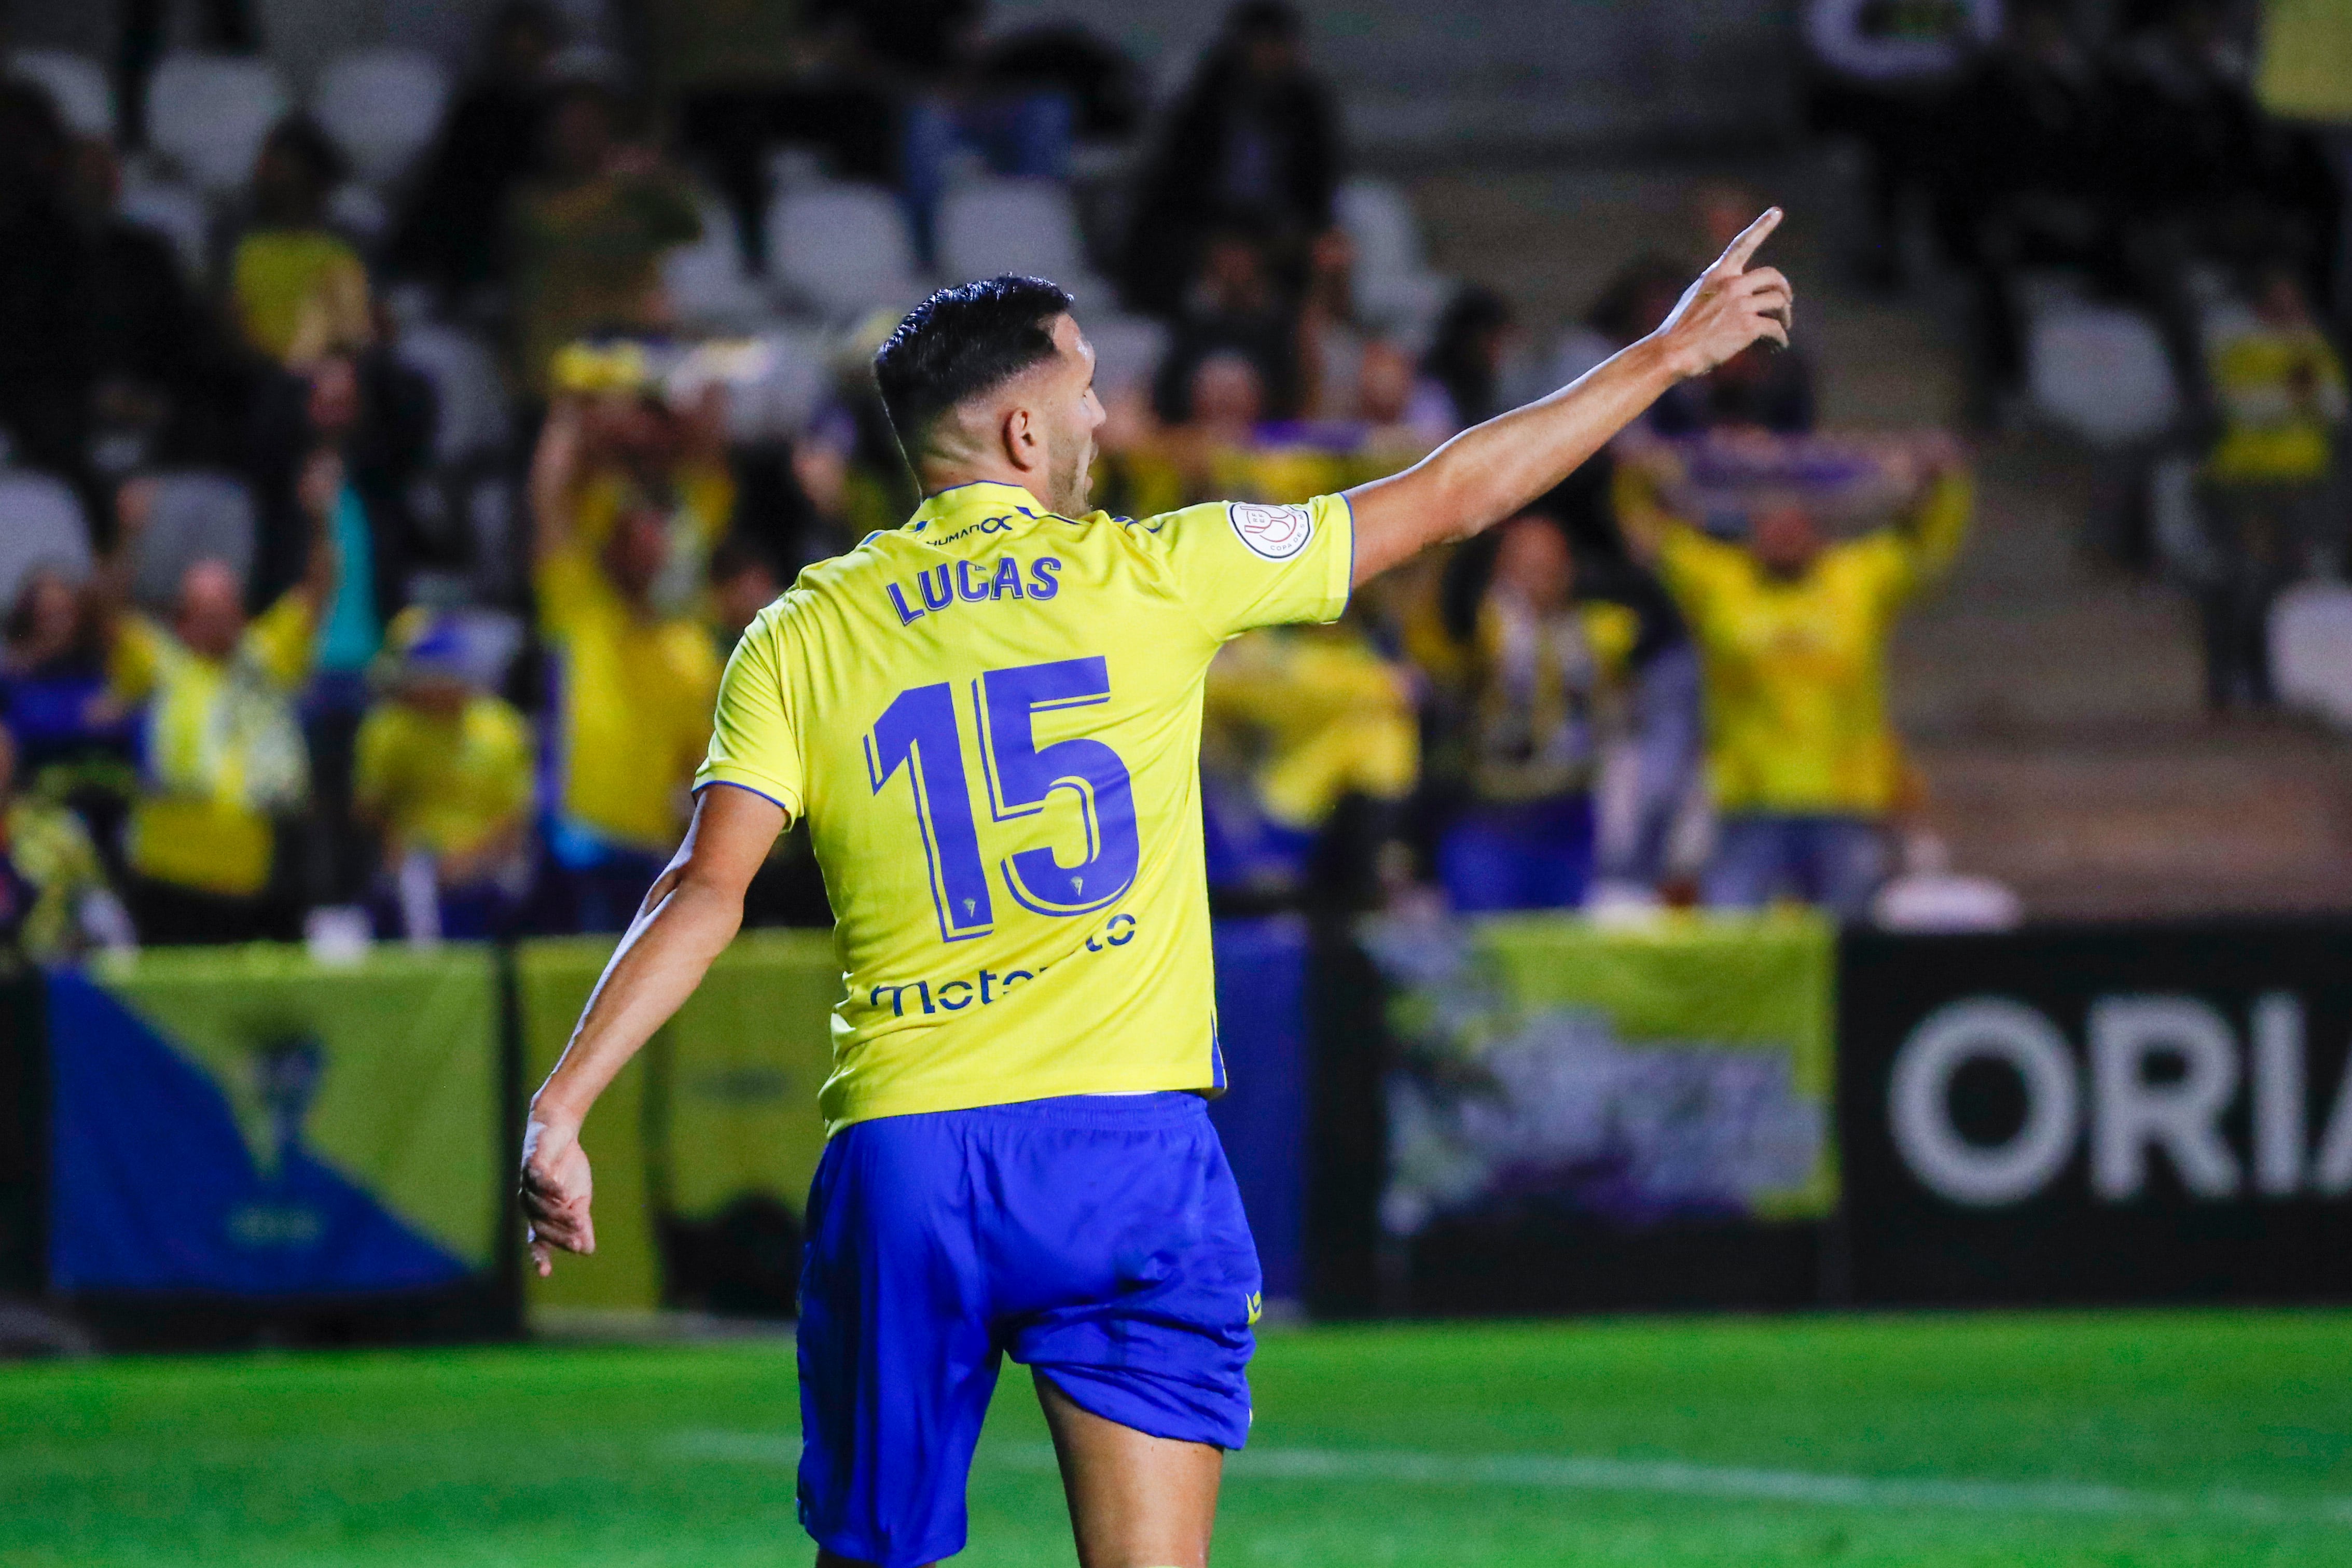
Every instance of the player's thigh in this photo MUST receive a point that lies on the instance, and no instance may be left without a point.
(1135, 1500)
(897, 1359)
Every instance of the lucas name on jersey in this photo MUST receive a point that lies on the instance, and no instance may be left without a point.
(942, 586)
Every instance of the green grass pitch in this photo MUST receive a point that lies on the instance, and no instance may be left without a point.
(1932, 1442)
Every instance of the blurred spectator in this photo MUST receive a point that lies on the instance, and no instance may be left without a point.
(449, 233)
(162, 380)
(2271, 505)
(747, 76)
(55, 904)
(223, 755)
(51, 671)
(444, 780)
(1759, 387)
(589, 234)
(743, 582)
(1792, 634)
(929, 54)
(2183, 89)
(46, 359)
(371, 419)
(1254, 138)
(1233, 309)
(1331, 341)
(1300, 721)
(297, 287)
(1882, 73)
(1465, 359)
(640, 451)
(1544, 673)
(634, 686)
(2026, 180)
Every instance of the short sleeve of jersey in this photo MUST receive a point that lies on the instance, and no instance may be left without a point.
(1241, 564)
(755, 740)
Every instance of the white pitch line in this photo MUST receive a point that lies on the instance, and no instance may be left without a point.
(1672, 1477)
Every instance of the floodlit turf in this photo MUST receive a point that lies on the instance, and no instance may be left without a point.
(2184, 1439)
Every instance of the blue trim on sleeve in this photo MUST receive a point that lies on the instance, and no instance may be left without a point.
(731, 784)
(1350, 597)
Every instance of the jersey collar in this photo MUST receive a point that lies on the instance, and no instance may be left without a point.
(960, 500)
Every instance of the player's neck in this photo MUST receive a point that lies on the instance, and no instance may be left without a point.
(943, 477)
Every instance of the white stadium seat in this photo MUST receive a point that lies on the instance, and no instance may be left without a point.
(1127, 350)
(382, 107)
(2101, 372)
(210, 113)
(40, 524)
(842, 249)
(465, 376)
(992, 226)
(794, 377)
(2311, 650)
(708, 284)
(177, 212)
(1395, 289)
(75, 83)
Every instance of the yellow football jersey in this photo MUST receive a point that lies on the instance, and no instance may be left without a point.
(991, 719)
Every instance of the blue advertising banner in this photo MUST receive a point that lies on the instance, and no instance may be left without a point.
(246, 1124)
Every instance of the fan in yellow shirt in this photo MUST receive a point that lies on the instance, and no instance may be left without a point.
(299, 289)
(1308, 716)
(224, 756)
(1792, 633)
(633, 684)
(444, 772)
(1548, 675)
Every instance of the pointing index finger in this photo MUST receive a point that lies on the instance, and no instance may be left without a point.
(1736, 255)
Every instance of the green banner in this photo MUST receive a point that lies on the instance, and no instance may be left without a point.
(1637, 1074)
(703, 1148)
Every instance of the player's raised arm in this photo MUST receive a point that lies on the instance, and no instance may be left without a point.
(690, 914)
(1490, 472)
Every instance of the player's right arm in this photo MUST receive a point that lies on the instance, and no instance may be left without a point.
(1490, 472)
(690, 914)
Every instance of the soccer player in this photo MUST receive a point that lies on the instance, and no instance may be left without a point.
(990, 720)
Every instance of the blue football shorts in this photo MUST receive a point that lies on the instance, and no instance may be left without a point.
(1098, 1239)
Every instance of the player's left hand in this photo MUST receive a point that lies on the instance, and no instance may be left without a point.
(555, 1189)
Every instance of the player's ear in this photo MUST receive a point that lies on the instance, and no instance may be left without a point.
(1024, 444)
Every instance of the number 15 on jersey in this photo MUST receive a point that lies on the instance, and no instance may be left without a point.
(921, 733)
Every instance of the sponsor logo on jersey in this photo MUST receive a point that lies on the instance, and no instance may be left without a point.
(1277, 533)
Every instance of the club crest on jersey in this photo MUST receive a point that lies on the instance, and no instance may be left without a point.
(1277, 533)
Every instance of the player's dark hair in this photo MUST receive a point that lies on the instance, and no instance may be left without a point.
(963, 341)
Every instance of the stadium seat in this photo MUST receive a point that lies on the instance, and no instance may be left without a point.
(2100, 371)
(41, 524)
(1127, 350)
(793, 375)
(177, 212)
(2311, 650)
(75, 83)
(708, 287)
(842, 249)
(1394, 286)
(199, 515)
(382, 107)
(992, 226)
(209, 113)
(465, 385)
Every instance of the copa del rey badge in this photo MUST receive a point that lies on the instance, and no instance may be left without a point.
(1276, 533)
